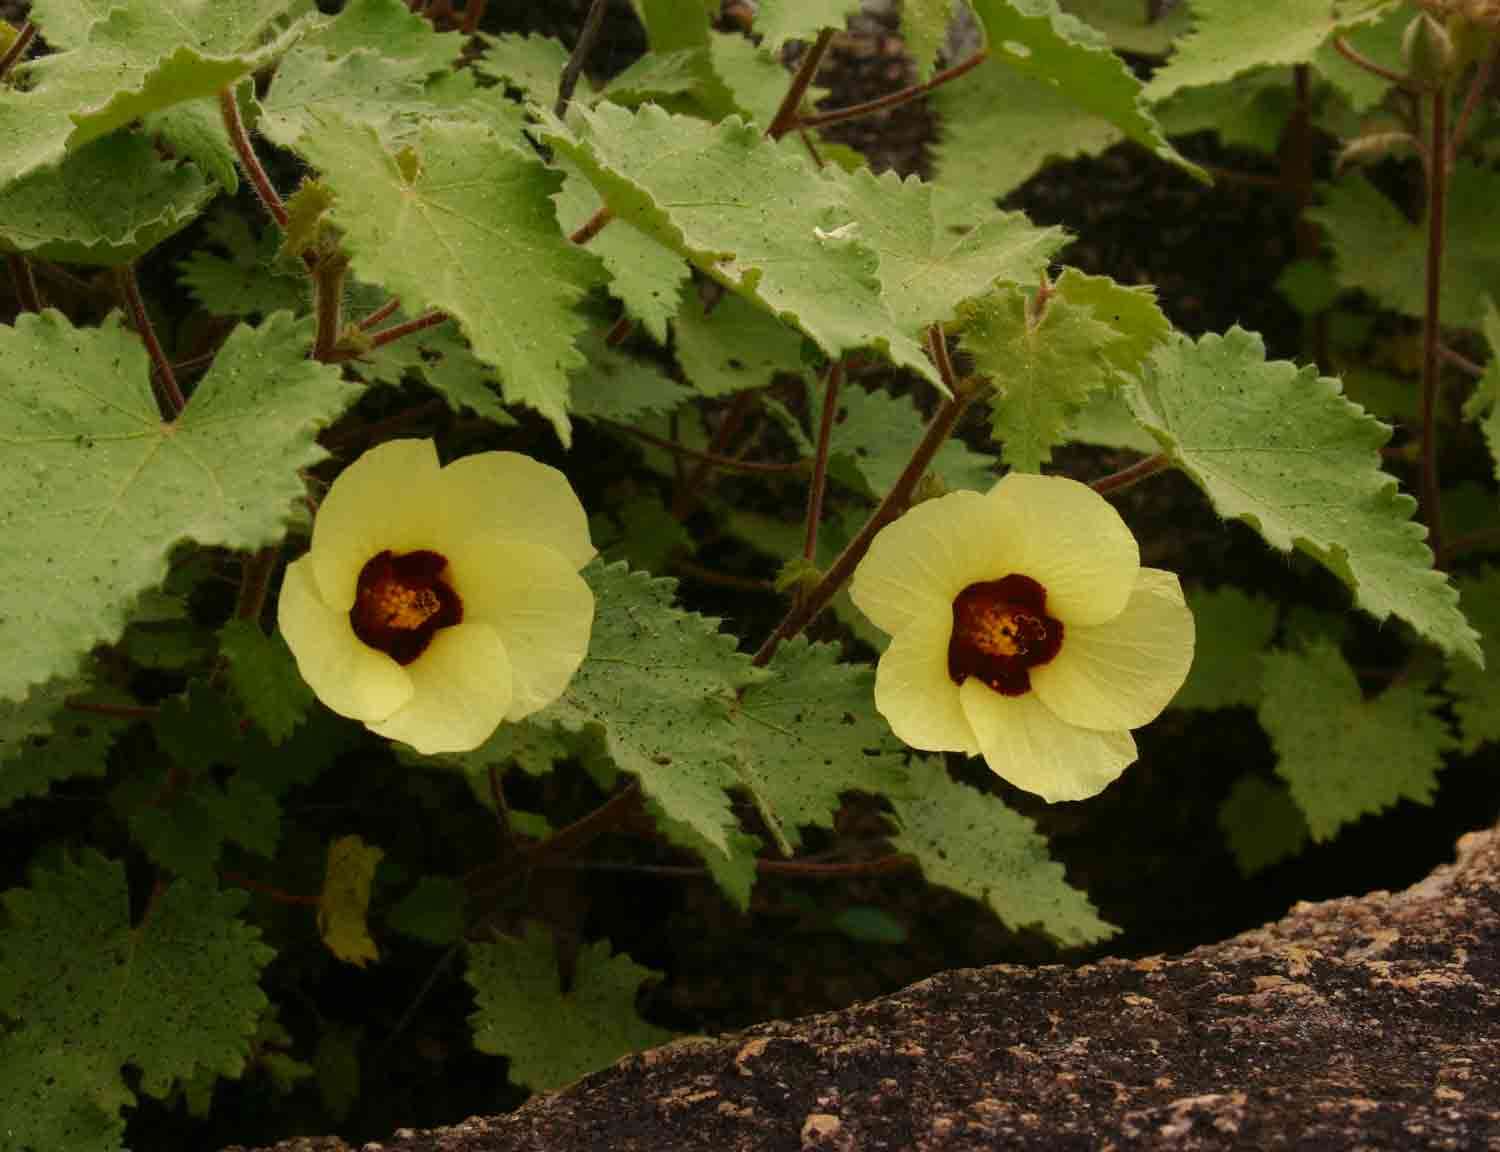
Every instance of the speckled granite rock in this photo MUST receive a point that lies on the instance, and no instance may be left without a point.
(1368, 1023)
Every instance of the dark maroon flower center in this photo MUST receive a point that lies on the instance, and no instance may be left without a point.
(1001, 631)
(401, 601)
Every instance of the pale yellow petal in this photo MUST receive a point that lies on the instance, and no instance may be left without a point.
(917, 564)
(1024, 742)
(1072, 542)
(462, 684)
(535, 600)
(515, 497)
(915, 694)
(385, 501)
(1122, 673)
(350, 677)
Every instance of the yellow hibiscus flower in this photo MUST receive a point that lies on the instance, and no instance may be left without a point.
(435, 602)
(1024, 629)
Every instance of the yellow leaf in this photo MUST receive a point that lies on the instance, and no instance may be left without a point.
(345, 900)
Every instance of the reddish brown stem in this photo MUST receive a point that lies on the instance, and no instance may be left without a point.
(619, 331)
(384, 312)
(592, 226)
(688, 492)
(281, 896)
(27, 295)
(786, 116)
(1459, 360)
(574, 67)
(1437, 198)
(834, 378)
(122, 711)
(396, 332)
(170, 398)
(473, 14)
(895, 502)
(894, 99)
(328, 300)
(230, 110)
(1477, 88)
(714, 459)
(1134, 474)
(17, 47)
(1359, 60)
(255, 580)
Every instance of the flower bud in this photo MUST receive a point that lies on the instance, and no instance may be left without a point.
(1428, 52)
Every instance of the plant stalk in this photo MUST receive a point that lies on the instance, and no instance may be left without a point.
(240, 138)
(1134, 474)
(1437, 198)
(894, 99)
(169, 398)
(574, 67)
(819, 485)
(17, 47)
(786, 116)
(27, 295)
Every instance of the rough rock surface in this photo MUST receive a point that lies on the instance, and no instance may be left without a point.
(1369, 1023)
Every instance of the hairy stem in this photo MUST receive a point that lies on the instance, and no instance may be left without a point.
(328, 302)
(1134, 474)
(27, 295)
(1459, 360)
(240, 138)
(121, 711)
(1477, 88)
(1359, 60)
(397, 331)
(714, 459)
(685, 499)
(384, 312)
(786, 116)
(574, 67)
(255, 580)
(169, 398)
(894, 99)
(592, 226)
(1437, 197)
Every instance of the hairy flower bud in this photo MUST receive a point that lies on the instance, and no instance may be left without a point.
(1428, 52)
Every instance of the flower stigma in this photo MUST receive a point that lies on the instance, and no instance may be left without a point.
(401, 601)
(1001, 630)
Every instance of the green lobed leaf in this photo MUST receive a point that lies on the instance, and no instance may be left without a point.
(1281, 449)
(754, 82)
(66, 23)
(926, 270)
(996, 129)
(1128, 25)
(102, 490)
(648, 536)
(1251, 111)
(875, 436)
(1344, 756)
(194, 131)
(1234, 628)
(1476, 692)
(264, 676)
(1262, 824)
(531, 64)
(552, 1036)
(1106, 421)
(1230, 37)
(64, 214)
(1038, 38)
(1378, 251)
(759, 218)
(432, 912)
(733, 347)
(1044, 371)
(42, 742)
(924, 27)
(778, 21)
(657, 76)
(618, 387)
(473, 233)
(89, 993)
(1483, 404)
(675, 24)
(246, 281)
(971, 842)
(661, 684)
(647, 277)
(808, 734)
(1379, 41)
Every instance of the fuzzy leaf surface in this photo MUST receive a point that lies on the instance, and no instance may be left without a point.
(1037, 38)
(971, 842)
(1280, 448)
(755, 216)
(42, 742)
(1230, 37)
(1262, 824)
(265, 678)
(1344, 756)
(1044, 372)
(1476, 692)
(1128, 26)
(553, 1037)
(472, 233)
(734, 347)
(102, 490)
(778, 21)
(173, 997)
(1379, 251)
(875, 437)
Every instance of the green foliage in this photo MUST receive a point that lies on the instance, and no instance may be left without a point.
(1037, 38)
(755, 216)
(473, 233)
(344, 903)
(1233, 628)
(42, 741)
(58, 214)
(971, 842)
(553, 1035)
(171, 996)
(264, 676)
(1045, 369)
(1342, 755)
(778, 21)
(733, 347)
(1229, 38)
(245, 281)
(1483, 404)
(875, 436)
(1262, 824)
(1128, 26)
(1476, 692)
(102, 490)
(1380, 252)
(432, 912)
(1281, 449)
